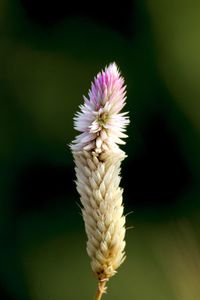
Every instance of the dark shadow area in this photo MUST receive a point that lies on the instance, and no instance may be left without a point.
(115, 16)
(159, 173)
(4, 293)
(41, 186)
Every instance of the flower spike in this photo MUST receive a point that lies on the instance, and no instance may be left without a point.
(98, 163)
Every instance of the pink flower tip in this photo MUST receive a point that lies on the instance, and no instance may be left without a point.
(100, 122)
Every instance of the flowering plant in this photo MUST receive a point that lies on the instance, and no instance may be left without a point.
(98, 159)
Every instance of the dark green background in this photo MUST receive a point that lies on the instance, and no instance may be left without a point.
(49, 54)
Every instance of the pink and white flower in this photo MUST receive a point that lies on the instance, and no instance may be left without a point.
(100, 121)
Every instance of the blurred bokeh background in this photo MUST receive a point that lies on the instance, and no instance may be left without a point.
(49, 53)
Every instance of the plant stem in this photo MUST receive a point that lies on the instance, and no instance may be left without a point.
(100, 290)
